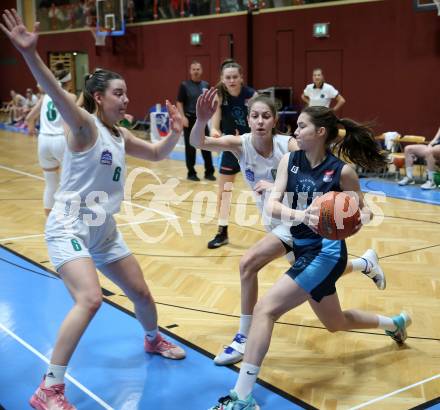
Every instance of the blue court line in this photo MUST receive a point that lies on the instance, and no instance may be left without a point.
(409, 192)
(109, 360)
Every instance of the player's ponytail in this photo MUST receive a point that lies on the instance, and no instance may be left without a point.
(348, 139)
(358, 144)
(97, 82)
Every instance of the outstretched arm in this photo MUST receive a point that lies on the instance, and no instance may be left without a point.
(155, 152)
(79, 121)
(205, 108)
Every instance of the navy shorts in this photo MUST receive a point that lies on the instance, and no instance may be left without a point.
(228, 164)
(318, 265)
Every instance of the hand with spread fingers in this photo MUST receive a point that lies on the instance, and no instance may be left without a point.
(23, 40)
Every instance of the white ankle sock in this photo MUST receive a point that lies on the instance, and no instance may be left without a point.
(245, 324)
(409, 172)
(151, 334)
(431, 175)
(54, 375)
(246, 380)
(361, 264)
(386, 323)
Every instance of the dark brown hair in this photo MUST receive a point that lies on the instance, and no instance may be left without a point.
(221, 88)
(358, 145)
(98, 81)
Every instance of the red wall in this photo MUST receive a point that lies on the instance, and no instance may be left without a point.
(388, 58)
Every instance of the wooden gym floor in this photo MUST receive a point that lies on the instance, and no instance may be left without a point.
(198, 289)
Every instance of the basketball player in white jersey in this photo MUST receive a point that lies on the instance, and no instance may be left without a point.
(81, 233)
(51, 138)
(259, 153)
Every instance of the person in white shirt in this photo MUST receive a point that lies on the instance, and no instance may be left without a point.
(93, 169)
(320, 93)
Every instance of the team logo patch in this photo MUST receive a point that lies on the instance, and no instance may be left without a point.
(328, 175)
(294, 169)
(322, 96)
(106, 157)
(250, 176)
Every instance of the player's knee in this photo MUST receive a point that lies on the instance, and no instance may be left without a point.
(52, 181)
(91, 301)
(140, 295)
(265, 310)
(248, 266)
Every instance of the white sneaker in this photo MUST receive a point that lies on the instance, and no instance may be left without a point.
(428, 185)
(375, 272)
(232, 353)
(406, 181)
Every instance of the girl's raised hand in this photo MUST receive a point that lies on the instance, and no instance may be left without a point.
(15, 30)
(206, 105)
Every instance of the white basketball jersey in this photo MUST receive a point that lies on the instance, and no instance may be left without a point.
(93, 181)
(51, 122)
(255, 168)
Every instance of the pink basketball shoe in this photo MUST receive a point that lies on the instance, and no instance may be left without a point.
(164, 348)
(50, 398)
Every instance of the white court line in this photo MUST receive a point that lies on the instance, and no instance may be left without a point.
(21, 172)
(131, 203)
(45, 359)
(360, 406)
(21, 237)
(118, 225)
(152, 209)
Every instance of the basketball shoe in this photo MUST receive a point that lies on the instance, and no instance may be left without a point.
(232, 402)
(232, 353)
(164, 348)
(402, 321)
(50, 398)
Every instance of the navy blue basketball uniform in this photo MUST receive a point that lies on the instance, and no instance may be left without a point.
(234, 118)
(319, 262)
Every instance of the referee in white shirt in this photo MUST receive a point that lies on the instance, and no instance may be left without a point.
(321, 93)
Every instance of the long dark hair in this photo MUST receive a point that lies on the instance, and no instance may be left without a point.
(98, 81)
(222, 91)
(358, 144)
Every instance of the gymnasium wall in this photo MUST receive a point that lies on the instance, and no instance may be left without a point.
(383, 56)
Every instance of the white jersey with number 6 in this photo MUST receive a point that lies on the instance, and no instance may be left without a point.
(51, 122)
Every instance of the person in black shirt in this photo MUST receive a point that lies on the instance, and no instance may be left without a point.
(189, 91)
(230, 118)
(319, 262)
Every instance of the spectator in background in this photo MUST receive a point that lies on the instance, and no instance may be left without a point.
(430, 152)
(16, 105)
(187, 96)
(30, 101)
(321, 93)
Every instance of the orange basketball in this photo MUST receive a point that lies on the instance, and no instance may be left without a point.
(339, 215)
(399, 162)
